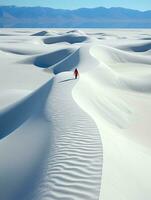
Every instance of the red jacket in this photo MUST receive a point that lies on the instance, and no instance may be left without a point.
(76, 72)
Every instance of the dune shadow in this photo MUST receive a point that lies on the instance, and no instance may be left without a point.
(13, 118)
(70, 79)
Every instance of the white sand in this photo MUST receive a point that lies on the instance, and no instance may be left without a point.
(85, 139)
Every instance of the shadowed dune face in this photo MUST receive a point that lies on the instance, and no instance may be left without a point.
(1, 34)
(44, 33)
(22, 110)
(41, 33)
(50, 59)
(68, 64)
(146, 38)
(139, 48)
(57, 61)
(70, 38)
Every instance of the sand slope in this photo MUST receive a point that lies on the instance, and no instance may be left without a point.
(62, 138)
(75, 158)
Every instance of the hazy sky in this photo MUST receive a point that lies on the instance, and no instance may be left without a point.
(72, 4)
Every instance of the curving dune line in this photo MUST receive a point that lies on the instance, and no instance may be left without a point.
(19, 51)
(115, 102)
(58, 148)
(57, 61)
(75, 160)
(112, 59)
(67, 164)
(23, 145)
(112, 55)
(50, 59)
(142, 47)
(68, 63)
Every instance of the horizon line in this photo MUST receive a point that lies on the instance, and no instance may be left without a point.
(24, 6)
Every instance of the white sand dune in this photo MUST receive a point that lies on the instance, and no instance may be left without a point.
(141, 47)
(84, 139)
(75, 159)
(49, 59)
(41, 33)
(69, 37)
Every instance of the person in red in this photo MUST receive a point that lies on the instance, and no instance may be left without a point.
(76, 73)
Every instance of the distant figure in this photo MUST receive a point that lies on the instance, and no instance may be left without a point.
(76, 73)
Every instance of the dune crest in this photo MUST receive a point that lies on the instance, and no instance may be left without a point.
(84, 139)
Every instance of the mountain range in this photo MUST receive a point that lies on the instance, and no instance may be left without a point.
(43, 17)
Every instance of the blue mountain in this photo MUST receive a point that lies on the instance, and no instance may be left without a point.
(43, 17)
